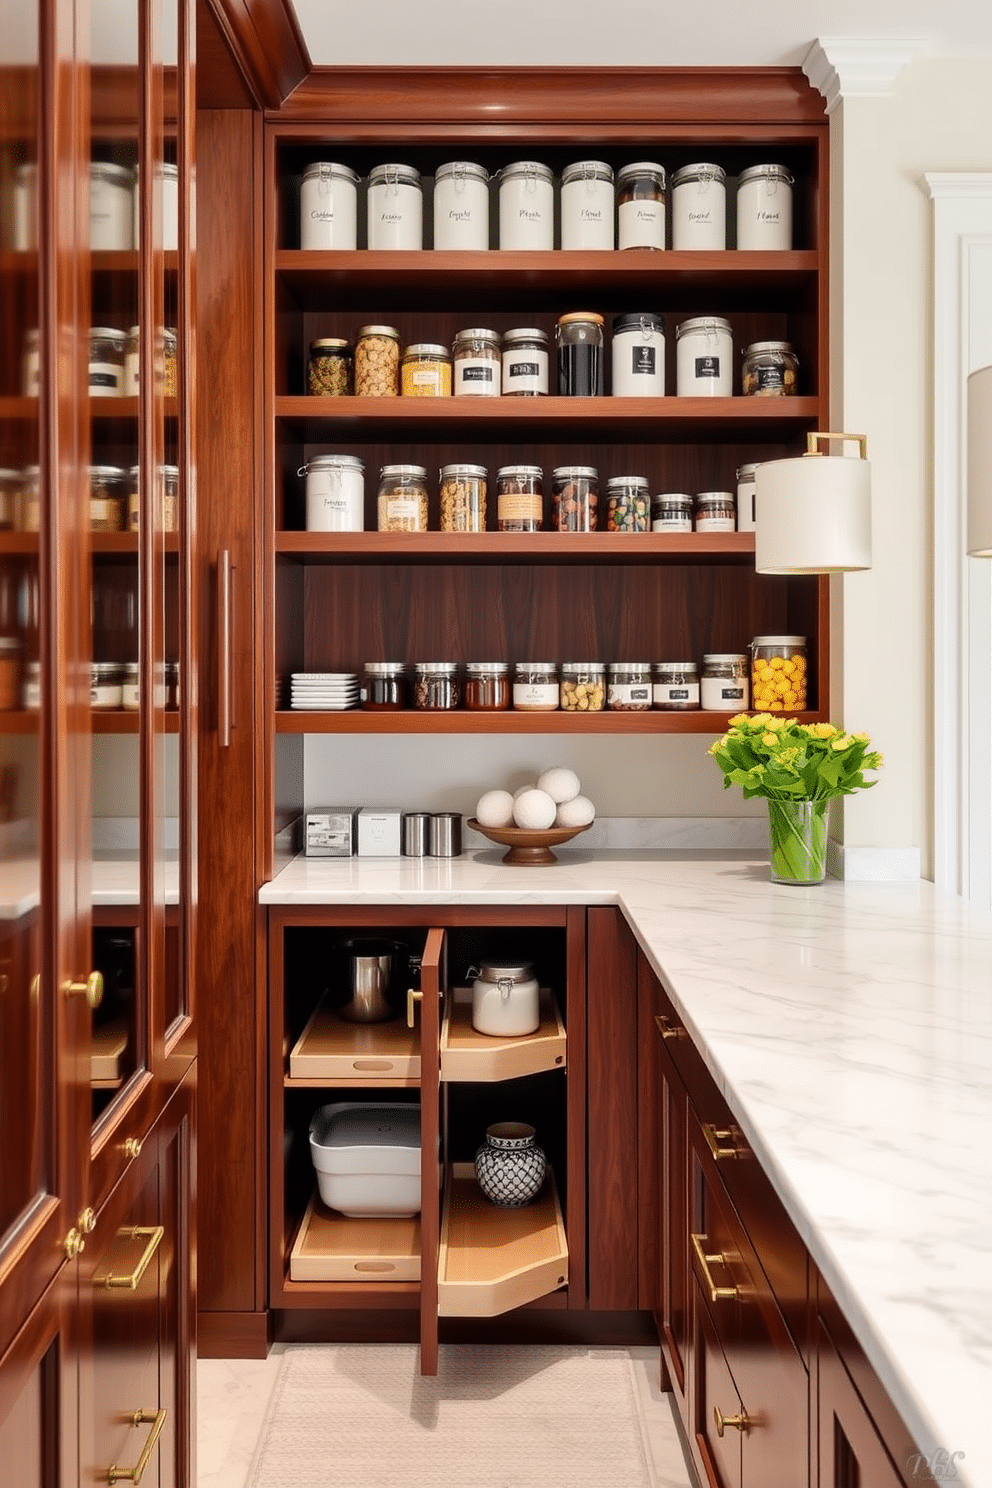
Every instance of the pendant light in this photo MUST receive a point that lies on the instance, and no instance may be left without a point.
(980, 463)
(813, 512)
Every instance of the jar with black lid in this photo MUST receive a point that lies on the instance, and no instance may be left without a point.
(771, 370)
(520, 498)
(435, 685)
(329, 367)
(629, 687)
(575, 498)
(724, 686)
(487, 686)
(628, 505)
(675, 686)
(641, 205)
(384, 687)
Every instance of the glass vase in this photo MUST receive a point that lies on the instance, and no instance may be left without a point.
(797, 841)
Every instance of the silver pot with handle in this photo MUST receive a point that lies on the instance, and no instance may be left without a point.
(371, 979)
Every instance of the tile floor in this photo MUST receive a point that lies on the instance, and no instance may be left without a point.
(232, 1396)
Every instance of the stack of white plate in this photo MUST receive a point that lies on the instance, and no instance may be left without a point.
(320, 691)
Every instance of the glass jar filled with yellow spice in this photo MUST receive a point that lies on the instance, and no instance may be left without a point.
(329, 367)
(425, 371)
(778, 674)
(583, 687)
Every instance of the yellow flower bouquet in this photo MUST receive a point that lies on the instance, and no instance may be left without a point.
(798, 768)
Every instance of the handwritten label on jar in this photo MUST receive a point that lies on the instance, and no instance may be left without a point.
(723, 695)
(676, 695)
(539, 696)
(477, 375)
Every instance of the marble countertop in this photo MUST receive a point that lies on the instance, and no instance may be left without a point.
(849, 1027)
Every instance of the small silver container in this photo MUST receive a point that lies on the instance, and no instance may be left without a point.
(416, 833)
(446, 834)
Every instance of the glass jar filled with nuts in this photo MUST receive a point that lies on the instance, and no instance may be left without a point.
(463, 498)
(329, 367)
(771, 370)
(583, 687)
(425, 371)
(377, 362)
(575, 498)
(402, 504)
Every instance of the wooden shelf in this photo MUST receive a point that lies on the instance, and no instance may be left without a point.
(492, 1259)
(517, 547)
(126, 721)
(331, 1052)
(330, 1247)
(108, 1046)
(458, 721)
(676, 281)
(607, 420)
(469, 1055)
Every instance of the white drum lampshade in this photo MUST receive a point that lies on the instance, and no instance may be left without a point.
(980, 463)
(813, 512)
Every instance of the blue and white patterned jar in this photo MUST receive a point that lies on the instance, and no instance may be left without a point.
(509, 1165)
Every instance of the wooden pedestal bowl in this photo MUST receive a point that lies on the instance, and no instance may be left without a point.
(527, 848)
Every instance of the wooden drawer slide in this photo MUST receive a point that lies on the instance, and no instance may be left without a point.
(469, 1055)
(331, 1247)
(491, 1259)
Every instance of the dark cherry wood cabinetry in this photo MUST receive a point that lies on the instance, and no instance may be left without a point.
(768, 1382)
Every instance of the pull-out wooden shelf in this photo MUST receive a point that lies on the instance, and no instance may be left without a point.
(331, 1247)
(109, 1048)
(469, 1055)
(333, 1052)
(492, 1260)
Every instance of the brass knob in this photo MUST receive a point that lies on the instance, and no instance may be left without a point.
(667, 1029)
(73, 1244)
(87, 1221)
(91, 989)
(132, 1146)
(742, 1422)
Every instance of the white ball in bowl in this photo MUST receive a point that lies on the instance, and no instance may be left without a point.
(495, 809)
(579, 812)
(560, 783)
(534, 809)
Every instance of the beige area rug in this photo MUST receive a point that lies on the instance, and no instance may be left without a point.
(362, 1416)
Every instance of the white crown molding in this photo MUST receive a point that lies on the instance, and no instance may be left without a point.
(860, 67)
(958, 185)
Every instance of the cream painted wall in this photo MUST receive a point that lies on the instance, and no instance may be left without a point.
(938, 118)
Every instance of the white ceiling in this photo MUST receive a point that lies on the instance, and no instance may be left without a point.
(619, 33)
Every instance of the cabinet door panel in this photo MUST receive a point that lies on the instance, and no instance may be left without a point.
(718, 1450)
(850, 1450)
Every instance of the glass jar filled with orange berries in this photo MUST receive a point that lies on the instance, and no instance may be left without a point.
(778, 674)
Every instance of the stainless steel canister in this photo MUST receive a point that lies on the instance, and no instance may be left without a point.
(416, 833)
(446, 834)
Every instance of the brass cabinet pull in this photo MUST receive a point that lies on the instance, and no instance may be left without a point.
(715, 1136)
(152, 1234)
(412, 996)
(132, 1146)
(87, 1221)
(667, 1029)
(743, 1422)
(73, 1244)
(717, 1293)
(91, 989)
(155, 1419)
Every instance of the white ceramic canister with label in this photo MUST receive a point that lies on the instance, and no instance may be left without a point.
(328, 206)
(699, 207)
(461, 207)
(638, 356)
(641, 205)
(587, 205)
(704, 352)
(764, 208)
(395, 208)
(335, 486)
(745, 498)
(111, 207)
(526, 207)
